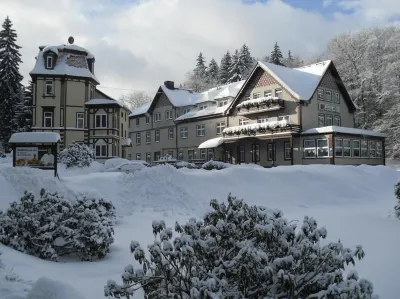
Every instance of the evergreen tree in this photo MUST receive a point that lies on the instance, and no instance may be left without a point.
(276, 55)
(247, 60)
(290, 57)
(25, 114)
(11, 89)
(237, 68)
(225, 66)
(200, 69)
(212, 71)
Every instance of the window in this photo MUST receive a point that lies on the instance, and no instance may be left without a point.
(49, 62)
(337, 121)
(157, 135)
(148, 137)
(228, 156)
(80, 120)
(220, 127)
(322, 148)
(346, 148)
(288, 150)
(138, 138)
(191, 155)
(321, 120)
(243, 122)
(256, 95)
(222, 103)
(157, 117)
(202, 107)
(242, 156)
(268, 94)
(210, 154)
(168, 114)
(201, 130)
(338, 147)
(170, 154)
(262, 119)
(147, 119)
(271, 151)
(320, 94)
(328, 96)
(336, 98)
(138, 157)
(137, 121)
(256, 153)
(309, 149)
(101, 120)
(48, 119)
(364, 149)
(328, 120)
(148, 157)
(157, 156)
(356, 148)
(186, 110)
(122, 130)
(184, 132)
(170, 133)
(283, 117)
(49, 88)
(180, 155)
(379, 149)
(203, 154)
(278, 93)
(101, 150)
(372, 149)
(122, 114)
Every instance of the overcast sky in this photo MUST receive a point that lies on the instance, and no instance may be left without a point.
(139, 44)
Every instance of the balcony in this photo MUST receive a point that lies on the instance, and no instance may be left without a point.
(259, 105)
(271, 127)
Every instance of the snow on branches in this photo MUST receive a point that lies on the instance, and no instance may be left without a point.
(77, 155)
(53, 226)
(242, 251)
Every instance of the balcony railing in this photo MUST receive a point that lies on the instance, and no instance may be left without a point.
(260, 105)
(266, 127)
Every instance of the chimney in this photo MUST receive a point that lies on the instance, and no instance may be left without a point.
(169, 84)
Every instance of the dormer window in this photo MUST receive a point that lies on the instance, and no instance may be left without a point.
(202, 107)
(49, 62)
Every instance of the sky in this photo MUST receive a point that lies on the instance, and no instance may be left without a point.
(139, 44)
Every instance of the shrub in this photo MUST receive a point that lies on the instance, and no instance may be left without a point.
(182, 164)
(397, 194)
(52, 226)
(210, 165)
(77, 155)
(242, 251)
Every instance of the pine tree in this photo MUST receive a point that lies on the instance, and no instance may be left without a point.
(224, 68)
(212, 72)
(200, 69)
(237, 68)
(247, 60)
(24, 114)
(11, 89)
(276, 55)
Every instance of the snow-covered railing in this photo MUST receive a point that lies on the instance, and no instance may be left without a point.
(264, 101)
(252, 129)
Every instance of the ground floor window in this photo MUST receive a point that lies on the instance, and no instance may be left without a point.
(288, 150)
(137, 156)
(322, 148)
(271, 151)
(356, 148)
(372, 149)
(170, 154)
(191, 155)
(101, 150)
(228, 156)
(148, 157)
(157, 156)
(256, 153)
(309, 148)
(180, 155)
(210, 154)
(242, 156)
(364, 149)
(346, 148)
(379, 149)
(203, 154)
(338, 147)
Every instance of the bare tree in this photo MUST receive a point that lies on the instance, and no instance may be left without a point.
(135, 99)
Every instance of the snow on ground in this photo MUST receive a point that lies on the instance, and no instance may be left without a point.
(352, 202)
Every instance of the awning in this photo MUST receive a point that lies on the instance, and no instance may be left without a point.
(212, 143)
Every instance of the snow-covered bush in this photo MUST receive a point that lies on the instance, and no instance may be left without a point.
(183, 164)
(52, 226)
(210, 165)
(242, 251)
(77, 155)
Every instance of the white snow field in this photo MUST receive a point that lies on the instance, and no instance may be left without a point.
(353, 203)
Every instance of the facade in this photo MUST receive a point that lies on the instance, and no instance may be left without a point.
(278, 116)
(66, 101)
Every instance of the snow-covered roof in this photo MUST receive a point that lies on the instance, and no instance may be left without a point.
(127, 141)
(318, 68)
(210, 110)
(35, 137)
(103, 102)
(343, 130)
(70, 64)
(181, 97)
(212, 143)
(141, 109)
(301, 82)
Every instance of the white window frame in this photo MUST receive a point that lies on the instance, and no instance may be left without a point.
(372, 148)
(138, 138)
(80, 116)
(101, 146)
(346, 148)
(168, 114)
(320, 94)
(321, 120)
(200, 130)
(49, 116)
(138, 156)
(323, 147)
(278, 93)
(262, 119)
(364, 146)
(328, 96)
(170, 133)
(184, 132)
(47, 84)
(337, 146)
(148, 138)
(287, 150)
(202, 107)
(49, 65)
(210, 154)
(157, 117)
(203, 154)
(336, 98)
(222, 103)
(328, 117)
(256, 95)
(220, 127)
(283, 117)
(157, 136)
(102, 125)
(186, 110)
(147, 119)
(268, 94)
(337, 121)
(379, 149)
(355, 148)
(243, 122)
(309, 147)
